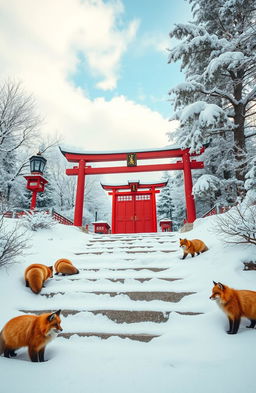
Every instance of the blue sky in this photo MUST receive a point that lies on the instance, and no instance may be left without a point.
(98, 69)
(144, 75)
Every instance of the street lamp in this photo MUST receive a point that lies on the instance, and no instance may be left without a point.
(37, 163)
(36, 182)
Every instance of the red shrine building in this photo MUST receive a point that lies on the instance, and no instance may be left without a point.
(134, 207)
(138, 198)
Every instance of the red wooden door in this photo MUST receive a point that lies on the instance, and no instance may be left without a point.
(143, 213)
(134, 213)
(125, 214)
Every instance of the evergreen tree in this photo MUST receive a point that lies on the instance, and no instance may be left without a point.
(216, 102)
(250, 184)
(171, 203)
(164, 202)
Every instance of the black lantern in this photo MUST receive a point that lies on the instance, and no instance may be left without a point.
(37, 163)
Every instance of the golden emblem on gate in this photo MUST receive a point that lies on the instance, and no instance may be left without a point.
(131, 159)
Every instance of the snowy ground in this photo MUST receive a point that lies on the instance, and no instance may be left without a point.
(192, 354)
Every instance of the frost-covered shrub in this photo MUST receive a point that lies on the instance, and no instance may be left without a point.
(238, 225)
(37, 220)
(13, 242)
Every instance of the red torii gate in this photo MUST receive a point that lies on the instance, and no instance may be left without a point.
(184, 163)
(134, 206)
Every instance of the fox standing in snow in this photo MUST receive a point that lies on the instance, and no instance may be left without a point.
(65, 266)
(35, 276)
(192, 247)
(32, 331)
(235, 304)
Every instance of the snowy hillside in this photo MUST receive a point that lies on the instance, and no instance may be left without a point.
(185, 348)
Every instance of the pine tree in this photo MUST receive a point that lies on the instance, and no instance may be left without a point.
(164, 203)
(250, 184)
(216, 102)
(171, 203)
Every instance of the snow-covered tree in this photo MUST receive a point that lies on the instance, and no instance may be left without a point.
(18, 128)
(250, 184)
(216, 102)
(171, 201)
(164, 201)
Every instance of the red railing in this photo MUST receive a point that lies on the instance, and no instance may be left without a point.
(216, 210)
(56, 216)
(61, 219)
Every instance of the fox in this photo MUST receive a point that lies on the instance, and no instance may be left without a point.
(32, 331)
(192, 246)
(36, 274)
(235, 304)
(65, 266)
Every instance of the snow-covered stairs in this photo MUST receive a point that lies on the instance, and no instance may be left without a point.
(124, 288)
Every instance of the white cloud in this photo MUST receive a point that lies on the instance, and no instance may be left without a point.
(158, 42)
(40, 43)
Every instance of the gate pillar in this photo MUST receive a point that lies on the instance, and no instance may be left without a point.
(188, 184)
(78, 214)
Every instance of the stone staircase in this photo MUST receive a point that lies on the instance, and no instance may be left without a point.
(124, 287)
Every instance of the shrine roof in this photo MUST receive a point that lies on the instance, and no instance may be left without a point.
(128, 185)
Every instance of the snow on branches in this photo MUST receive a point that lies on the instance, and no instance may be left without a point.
(206, 185)
(216, 103)
(200, 117)
(238, 225)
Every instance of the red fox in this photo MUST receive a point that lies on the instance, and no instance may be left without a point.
(235, 304)
(192, 246)
(32, 331)
(65, 266)
(35, 276)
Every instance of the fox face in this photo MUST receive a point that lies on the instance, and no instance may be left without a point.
(53, 324)
(218, 292)
(183, 243)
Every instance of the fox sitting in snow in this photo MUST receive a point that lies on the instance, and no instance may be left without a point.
(235, 304)
(192, 247)
(32, 331)
(65, 266)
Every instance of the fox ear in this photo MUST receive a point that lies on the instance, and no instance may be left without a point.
(221, 286)
(51, 316)
(214, 282)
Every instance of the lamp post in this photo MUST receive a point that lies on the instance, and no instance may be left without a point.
(36, 182)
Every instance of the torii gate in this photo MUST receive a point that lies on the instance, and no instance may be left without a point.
(184, 163)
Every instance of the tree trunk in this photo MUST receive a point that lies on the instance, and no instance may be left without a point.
(239, 134)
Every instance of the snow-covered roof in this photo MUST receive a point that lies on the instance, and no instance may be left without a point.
(75, 150)
(116, 184)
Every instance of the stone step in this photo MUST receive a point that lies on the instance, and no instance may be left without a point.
(125, 241)
(172, 297)
(126, 251)
(121, 316)
(104, 336)
(137, 236)
(121, 280)
(152, 269)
